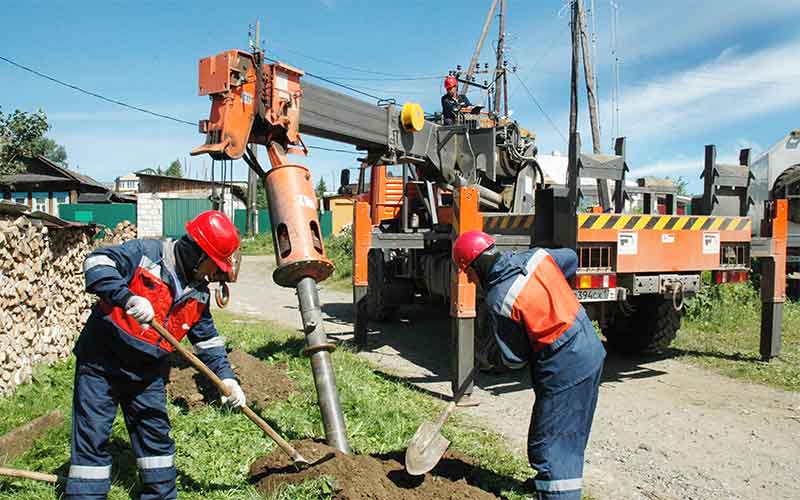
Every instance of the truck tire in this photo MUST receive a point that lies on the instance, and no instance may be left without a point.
(378, 303)
(779, 188)
(649, 327)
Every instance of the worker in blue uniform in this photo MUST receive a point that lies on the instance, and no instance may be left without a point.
(122, 361)
(536, 319)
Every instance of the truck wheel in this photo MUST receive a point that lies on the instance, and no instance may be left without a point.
(378, 308)
(650, 326)
(780, 187)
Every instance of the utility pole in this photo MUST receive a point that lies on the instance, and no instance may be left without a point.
(500, 70)
(603, 191)
(251, 222)
(473, 63)
(572, 174)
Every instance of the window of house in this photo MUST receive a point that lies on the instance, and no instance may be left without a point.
(20, 197)
(41, 202)
(59, 198)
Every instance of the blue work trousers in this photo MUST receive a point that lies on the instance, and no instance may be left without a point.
(559, 430)
(97, 393)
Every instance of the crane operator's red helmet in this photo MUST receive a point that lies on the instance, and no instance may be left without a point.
(214, 232)
(450, 82)
(469, 246)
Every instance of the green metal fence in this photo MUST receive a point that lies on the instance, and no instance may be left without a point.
(177, 212)
(107, 214)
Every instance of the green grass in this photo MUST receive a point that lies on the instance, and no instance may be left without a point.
(217, 446)
(260, 244)
(721, 331)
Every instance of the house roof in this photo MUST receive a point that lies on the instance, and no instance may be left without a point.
(236, 189)
(106, 197)
(61, 174)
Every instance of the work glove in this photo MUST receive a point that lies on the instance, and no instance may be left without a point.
(140, 309)
(237, 398)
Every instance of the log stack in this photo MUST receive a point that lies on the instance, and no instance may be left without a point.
(122, 232)
(43, 304)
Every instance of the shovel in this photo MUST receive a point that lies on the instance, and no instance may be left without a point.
(299, 460)
(428, 445)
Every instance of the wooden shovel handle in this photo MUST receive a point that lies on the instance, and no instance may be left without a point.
(26, 474)
(205, 370)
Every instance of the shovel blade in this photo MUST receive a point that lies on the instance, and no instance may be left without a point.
(425, 449)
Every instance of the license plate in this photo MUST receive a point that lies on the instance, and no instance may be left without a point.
(596, 294)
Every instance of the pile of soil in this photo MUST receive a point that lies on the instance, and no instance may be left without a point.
(365, 477)
(262, 383)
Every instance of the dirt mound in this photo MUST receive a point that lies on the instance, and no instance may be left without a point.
(365, 477)
(262, 383)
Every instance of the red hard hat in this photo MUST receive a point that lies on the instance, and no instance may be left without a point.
(450, 82)
(469, 246)
(214, 232)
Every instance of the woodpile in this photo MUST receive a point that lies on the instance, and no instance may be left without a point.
(122, 232)
(43, 304)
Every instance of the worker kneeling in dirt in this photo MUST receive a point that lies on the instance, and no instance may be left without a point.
(122, 361)
(535, 317)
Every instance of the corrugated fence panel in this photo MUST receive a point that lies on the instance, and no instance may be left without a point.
(107, 214)
(326, 223)
(177, 212)
(240, 221)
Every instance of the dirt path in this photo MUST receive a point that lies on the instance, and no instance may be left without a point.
(662, 427)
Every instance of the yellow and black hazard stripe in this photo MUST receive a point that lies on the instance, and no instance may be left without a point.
(508, 224)
(663, 222)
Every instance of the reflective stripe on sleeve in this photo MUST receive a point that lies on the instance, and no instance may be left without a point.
(90, 471)
(98, 260)
(520, 281)
(559, 485)
(218, 341)
(156, 462)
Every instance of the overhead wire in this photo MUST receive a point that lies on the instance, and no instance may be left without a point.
(130, 106)
(95, 94)
(535, 101)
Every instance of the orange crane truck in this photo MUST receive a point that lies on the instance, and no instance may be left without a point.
(422, 184)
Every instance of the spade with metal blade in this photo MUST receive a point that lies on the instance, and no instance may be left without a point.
(299, 460)
(428, 445)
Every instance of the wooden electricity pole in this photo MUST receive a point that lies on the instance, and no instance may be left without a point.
(251, 222)
(500, 72)
(473, 63)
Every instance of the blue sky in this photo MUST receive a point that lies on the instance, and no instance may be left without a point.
(692, 73)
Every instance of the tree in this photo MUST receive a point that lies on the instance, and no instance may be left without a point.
(261, 196)
(21, 135)
(682, 185)
(53, 151)
(321, 189)
(174, 169)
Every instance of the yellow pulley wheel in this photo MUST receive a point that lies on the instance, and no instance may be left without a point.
(412, 117)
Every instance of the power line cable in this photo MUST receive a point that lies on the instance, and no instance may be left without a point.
(94, 94)
(344, 66)
(552, 123)
(130, 106)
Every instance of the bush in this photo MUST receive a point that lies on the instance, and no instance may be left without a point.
(340, 250)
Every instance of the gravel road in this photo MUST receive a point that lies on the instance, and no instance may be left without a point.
(663, 429)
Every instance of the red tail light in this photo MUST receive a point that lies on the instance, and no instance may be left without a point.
(596, 281)
(721, 277)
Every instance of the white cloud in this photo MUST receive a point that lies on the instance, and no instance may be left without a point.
(732, 87)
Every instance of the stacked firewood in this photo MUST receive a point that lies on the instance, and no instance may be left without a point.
(122, 232)
(43, 304)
